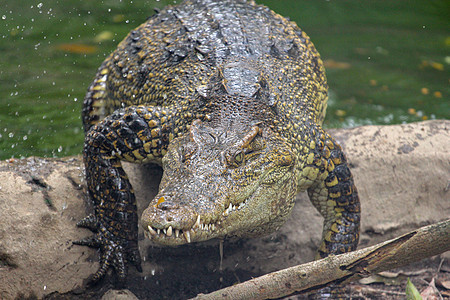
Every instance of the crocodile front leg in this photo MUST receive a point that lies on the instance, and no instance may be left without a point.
(334, 194)
(135, 134)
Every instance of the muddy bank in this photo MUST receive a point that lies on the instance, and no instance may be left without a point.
(402, 173)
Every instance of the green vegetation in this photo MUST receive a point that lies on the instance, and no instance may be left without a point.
(387, 62)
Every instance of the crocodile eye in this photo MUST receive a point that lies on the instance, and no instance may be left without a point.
(239, 158)
(235, 159)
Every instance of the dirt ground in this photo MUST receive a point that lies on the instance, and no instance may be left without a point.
(431, 277)
(402, 175)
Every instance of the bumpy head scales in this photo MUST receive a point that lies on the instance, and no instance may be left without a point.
(221, 181)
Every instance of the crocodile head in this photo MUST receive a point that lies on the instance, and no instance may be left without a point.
(222, 181)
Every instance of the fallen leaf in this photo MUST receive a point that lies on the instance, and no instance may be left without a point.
(444, 284)
(431, 64)
(430, 292)
(332, 64)
(411, 111)
(118, 18)
(437, 94)
(390, 280)
(340, 113)
(437, 66)
(425, 91)
(104, 36)
(77, 48)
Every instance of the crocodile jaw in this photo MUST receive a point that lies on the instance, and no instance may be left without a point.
(263, 212)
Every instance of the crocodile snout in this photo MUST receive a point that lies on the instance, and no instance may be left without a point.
(166, 212)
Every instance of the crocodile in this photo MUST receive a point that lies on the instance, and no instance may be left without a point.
(229, 98)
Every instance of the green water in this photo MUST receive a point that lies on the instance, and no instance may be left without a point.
(387, 62)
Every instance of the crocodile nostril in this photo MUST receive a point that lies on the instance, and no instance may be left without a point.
(166, 205)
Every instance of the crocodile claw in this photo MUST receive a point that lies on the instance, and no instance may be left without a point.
(89, 222)
(115, 252)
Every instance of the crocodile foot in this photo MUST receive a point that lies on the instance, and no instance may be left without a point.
(114, 251)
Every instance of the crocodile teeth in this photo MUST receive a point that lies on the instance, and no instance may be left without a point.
(187, 235)
(151, 230)
(169, 231)
(165, 231)
(158, 231)
(197, 223)
(228, 210)
(177, 232)
(232, 207)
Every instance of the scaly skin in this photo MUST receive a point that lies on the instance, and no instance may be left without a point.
(229, 97)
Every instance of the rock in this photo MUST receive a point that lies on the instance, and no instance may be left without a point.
(119, 295)
(401, 171)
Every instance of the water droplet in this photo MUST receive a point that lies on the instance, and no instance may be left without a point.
(11, 134)
(4, 17)
(60, 149)
(25, 138)
(40, 5)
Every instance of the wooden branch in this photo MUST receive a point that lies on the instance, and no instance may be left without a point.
(414, 246)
